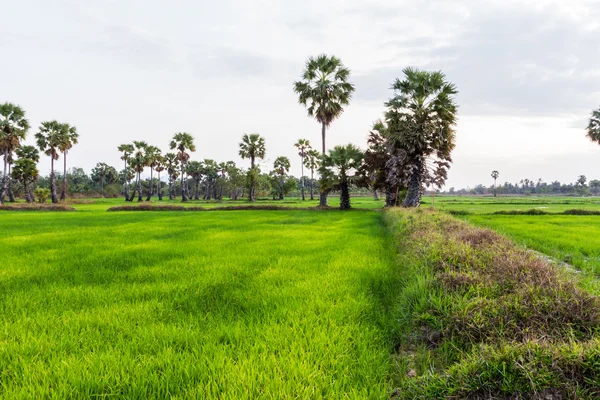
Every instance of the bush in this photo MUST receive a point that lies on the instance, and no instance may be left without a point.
(41, 194)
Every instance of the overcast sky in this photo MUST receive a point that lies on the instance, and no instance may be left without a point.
(528, 73)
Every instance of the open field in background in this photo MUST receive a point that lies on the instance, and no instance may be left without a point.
(242, 304)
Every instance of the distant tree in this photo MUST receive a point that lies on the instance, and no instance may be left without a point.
(337, 168)
(252, 146)
(195, 170)
(152, 157)
(495, 175)
(182, 142)
(210, 170)
(303, 146)
(138, 162)
(13, 130)
(103, 173)
(159, 167)
(595, 186)
(421, 117)
(172, 166)
(312, 162)
(126, 150)
(324, 89)
(25, 169)
(68, 138)
(281, 167)
(49, 141)
(580, 185)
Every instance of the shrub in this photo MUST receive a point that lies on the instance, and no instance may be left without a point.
(41, 194)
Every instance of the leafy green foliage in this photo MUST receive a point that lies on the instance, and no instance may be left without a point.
(339, 170)
(41, 194)
(593, 129)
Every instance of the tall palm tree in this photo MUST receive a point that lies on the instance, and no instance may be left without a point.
(13, 129)
(303, 145)
(495, 175)
(336, 168)
(25, 169)
(324, 90)
(593, 129)
(152, 155)
(182, 142)
(312, 162)
(420, 120)
(138, 162)
(195, 169)
(281, 167)
(48, 141)
(68, 138)
(159, 166)
(172, 165)
(10, 160)
(252, 146)
(127, 150)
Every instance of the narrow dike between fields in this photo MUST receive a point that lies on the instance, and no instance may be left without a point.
(482, 318)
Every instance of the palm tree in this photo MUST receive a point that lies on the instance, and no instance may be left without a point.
(25, 169)
(182, 142)
(495, 175)
(138, 162)
(303, 145)
(159, 166)
(252, 146)
(13, 129)
(48, 140)
(68, 138)
(172, 165)
(152, 155)
(281, 167)
(324, 90)
(127, 150)
(312, 162)
(336, 169)
(10, 160)
(421, 117)
(593, 129)
(195, 169)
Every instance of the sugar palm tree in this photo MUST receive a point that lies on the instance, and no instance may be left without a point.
(252, 146)
(10, 160)
(337, 168)
(126, 150)
(495, 175)
(13, 129)
(324, 90)
(420, 120)
(68, 138)
(303, 145)
(195, 169)
(172, 166)
(182, 142)
(138, 162)
(159, 166)
(152, 155)
(281, 167)
(593, 129)
(48, 141)
(312, 162)
(25, 169)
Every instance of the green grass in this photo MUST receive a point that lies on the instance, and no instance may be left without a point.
(238, 304)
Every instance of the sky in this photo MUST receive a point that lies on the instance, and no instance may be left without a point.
(527, 71)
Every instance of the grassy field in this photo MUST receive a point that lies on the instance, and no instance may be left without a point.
(242, 304)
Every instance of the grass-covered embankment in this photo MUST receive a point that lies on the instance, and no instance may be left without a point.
(483, 318)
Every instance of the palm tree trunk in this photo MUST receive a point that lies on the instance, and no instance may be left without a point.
(52, 181)
(183, 198)
(11, 195)
(26, 189)
(102, 187)
(281, 188)
(63, 193)
(170, 187)
(312, 184)
(391, 196)
(344, 195)
(495, 188)
(323, 194)
(197, 194)
(375, 195)
(159, 188)
(3, 187)
(150, 186)
(302, 168)
(139, 183)
(126, 182)
(413, 196)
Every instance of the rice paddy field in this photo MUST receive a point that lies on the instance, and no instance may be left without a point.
(229, 304)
